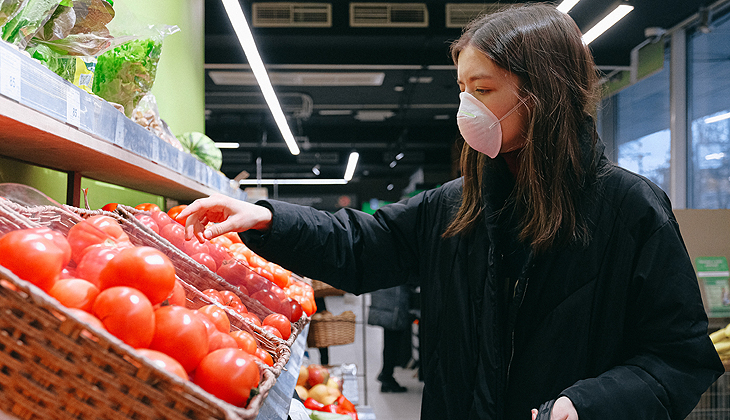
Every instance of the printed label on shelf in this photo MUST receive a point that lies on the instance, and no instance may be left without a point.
(10, 75)
(73, 106)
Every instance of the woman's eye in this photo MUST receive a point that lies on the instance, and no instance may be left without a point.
(481, 91)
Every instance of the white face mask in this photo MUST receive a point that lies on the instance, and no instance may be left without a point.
(479, 126)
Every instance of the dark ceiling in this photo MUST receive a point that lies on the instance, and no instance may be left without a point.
(376, 90)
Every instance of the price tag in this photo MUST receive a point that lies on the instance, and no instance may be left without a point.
(73, 106)
(10, 76)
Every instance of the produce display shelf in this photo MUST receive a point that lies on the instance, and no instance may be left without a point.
(47, 121)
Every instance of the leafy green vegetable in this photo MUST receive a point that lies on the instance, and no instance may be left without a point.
(126, 73)
(28, 21)
(63, 66)
(8, 9)
(202, 147)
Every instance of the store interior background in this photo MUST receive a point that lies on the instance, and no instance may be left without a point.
(387, 90)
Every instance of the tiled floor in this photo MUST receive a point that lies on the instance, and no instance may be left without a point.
(366, 353)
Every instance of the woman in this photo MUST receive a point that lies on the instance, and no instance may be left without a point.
(549, 277)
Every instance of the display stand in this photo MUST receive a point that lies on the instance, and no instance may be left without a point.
(49, 122)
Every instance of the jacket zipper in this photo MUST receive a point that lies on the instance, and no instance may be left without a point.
(512, 330)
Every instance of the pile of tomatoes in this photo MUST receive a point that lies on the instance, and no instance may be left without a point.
(132, 292)
(269, 283)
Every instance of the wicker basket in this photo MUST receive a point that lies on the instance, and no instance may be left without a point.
(322, 289)
(28, 345)
(327, 330)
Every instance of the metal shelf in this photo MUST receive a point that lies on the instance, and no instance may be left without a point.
(47, 121)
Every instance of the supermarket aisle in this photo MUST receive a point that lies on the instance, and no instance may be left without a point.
(366, 353)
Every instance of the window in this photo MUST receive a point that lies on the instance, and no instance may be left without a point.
(643, 138)
(709, 117)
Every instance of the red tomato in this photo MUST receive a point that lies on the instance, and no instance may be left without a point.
(255, 261)
(233, 236)
(253, 318)
(144, 268)
(262, 271)
(75, 293)
(268, 299)
(205, 259)
(87, 318)
(164, 362)
(209, 325)
(68, 273)
(177, 297)
(220, 340)
(175, 233)
(32, 257)
(238, 307)
(229, 374)
(110, 207)
(245, 341)
(229, 298)
(218, 316)
(272, 330)
(213, 295)
(161, 218)
(280, 323)
(235, 273)
(264, 356)
(193, 246)
(126, 313)
(281, 276)
(222, 241)
(256, 282)
(148, 221)
(295, 309)
(147, 207)
(173, 212)
(94, 260)
(94, 230)
(180, 334)
(218, 253)
(278, 292)
(58, 239)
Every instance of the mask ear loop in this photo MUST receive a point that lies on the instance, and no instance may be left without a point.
(522, 102)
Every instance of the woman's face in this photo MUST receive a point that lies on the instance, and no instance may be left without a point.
(498, 90)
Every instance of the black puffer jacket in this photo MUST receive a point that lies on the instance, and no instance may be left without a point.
(617, 326)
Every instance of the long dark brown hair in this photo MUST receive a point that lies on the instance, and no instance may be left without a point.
(543, 47)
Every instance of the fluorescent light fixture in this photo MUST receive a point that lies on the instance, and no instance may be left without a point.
(717, 118)
(299, 78)
(303, 181)
(351, 164)
(400, 156)
(227, 145)
(566, 5)
(715, 156)
(334, 112)
(245, 37)
(617, 14)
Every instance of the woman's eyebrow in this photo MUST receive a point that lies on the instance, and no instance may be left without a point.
(476, 77)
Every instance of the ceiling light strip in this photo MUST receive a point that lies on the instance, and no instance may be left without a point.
(245, 37)
(617, 14)
(303, 181)
(351, 164)
(566, 5)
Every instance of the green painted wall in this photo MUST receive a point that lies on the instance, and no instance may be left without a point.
(49, 182)
(180, 83)
(100, 193)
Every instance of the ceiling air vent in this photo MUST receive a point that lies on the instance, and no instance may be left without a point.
(291, 15)
(389, 15)
(459, 14)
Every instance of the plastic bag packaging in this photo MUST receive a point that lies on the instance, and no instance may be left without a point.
(8, 10)
(125, 74)
(80, 30)
(147, 115)
(63, 66)
(202, 147)
(29, 19)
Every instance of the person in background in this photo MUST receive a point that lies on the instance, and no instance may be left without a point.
(554, 284)
(389, 308)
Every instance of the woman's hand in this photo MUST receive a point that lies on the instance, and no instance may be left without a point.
(227, 214)
(563, 409)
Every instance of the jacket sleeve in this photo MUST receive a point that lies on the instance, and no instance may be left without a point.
(669, 358)
(351, 250)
